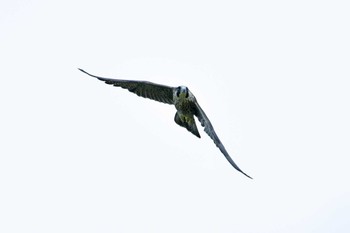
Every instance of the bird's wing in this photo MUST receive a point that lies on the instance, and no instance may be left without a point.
(144, 89)
(208, 128)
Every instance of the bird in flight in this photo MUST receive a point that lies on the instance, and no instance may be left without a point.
(185, 103)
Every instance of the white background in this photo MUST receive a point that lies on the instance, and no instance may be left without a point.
(77, 155)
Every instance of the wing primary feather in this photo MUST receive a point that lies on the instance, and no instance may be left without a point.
(144, 89)
(209, 129)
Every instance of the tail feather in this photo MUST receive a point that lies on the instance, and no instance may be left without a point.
(190, 124)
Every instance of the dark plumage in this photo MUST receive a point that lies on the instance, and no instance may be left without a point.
(185, 103)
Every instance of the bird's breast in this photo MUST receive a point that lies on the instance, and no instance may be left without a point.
(185, 106)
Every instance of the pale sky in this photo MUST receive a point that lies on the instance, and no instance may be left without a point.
(78, 155)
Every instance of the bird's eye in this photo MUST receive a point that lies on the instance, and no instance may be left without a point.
(178, 91)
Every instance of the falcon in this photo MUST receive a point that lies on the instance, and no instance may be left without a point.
(185, 103)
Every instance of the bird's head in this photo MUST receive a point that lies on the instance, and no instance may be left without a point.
(182, 91)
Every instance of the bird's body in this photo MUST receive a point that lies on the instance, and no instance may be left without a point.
(185, 103)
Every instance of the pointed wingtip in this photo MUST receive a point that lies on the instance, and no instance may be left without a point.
(82, 70)
(244, 173)
(87, 73)
(235, 165)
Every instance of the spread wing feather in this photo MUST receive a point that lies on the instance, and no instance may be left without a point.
(144, 89)
(208, 128)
